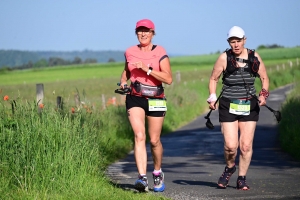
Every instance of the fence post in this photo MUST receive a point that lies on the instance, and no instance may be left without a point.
(103, 101)
(291, 64)
(77, 100)
(122, 99)
(39, 95)
(59, 102)
(178, 76)
(114, 101)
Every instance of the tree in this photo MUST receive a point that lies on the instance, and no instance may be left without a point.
(41, 63)
(111, 60)
(77, 60)
(90, 60)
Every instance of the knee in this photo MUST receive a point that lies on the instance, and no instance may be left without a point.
(155, 142)
(230, 149)
(244, 148)
(139, 137)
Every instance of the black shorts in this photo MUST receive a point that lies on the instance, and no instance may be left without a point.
(225, 116)
(142, 102)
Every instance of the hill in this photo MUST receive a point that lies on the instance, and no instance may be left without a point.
(12, 58)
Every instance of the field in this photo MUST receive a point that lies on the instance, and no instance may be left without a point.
(63, 153)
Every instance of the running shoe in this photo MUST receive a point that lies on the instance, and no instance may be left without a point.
(141, 184)
(241, 183)
(224, 179)
(159, 185)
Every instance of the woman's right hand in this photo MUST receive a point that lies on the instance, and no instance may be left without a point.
(211, 101)
(123, 84)
(212, 105)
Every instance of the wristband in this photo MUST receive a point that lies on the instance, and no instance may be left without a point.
(264, 93)
(149, 71)
(212, 97)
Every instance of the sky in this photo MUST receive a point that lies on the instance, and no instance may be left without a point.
(183, 27)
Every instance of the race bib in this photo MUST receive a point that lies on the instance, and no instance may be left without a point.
(157, 104)
(239, 107)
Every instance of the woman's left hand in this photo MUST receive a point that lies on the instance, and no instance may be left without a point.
(139, 65)
(262, 100)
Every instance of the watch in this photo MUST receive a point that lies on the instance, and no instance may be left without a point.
(149, 71)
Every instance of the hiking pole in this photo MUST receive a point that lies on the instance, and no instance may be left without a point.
(277, 114)
(208, 122)
(124, 91)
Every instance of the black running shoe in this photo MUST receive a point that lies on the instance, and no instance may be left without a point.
(224, 179)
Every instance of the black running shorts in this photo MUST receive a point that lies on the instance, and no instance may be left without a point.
(225, 116)
(142, 102)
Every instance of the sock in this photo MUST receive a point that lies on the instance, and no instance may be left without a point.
(157, 171)
(143, 175)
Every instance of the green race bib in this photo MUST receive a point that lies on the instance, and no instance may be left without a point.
(239, 107)
(157, 104)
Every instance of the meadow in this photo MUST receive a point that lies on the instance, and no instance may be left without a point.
(63, 153)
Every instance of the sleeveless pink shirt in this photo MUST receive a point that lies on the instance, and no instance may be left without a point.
(134, 54)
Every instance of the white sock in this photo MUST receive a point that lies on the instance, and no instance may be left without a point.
(157, 171)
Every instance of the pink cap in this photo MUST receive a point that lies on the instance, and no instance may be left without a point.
(146, 23)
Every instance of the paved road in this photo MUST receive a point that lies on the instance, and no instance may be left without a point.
(193, 161)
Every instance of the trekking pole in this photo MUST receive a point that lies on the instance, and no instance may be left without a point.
(123, 91)
(208, 122)
(277, 114)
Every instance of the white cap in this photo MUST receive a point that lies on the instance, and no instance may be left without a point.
(236, 31)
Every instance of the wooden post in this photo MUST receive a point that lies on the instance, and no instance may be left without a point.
(122, 99)
(103, 101)
(291, 64)
(178, 76)
(39, 95)
(77, 100)
(114, 101)
(59, 102)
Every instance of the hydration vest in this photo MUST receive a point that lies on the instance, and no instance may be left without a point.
(232, 67)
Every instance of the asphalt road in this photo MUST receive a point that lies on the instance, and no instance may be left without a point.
(193, 161)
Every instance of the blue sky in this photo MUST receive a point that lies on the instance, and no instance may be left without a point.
(183, 27)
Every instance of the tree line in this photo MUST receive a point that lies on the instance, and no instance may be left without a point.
(51, 62)
(35, 59)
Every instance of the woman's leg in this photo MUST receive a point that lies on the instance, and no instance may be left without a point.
(136, 116)
(247, 130)
(231, 137)
(154, 128)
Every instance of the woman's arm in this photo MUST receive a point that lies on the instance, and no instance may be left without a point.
(219, 67)
(124, 76)
(165, 73)
(264, 80)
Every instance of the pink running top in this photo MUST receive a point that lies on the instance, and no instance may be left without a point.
(134, 54)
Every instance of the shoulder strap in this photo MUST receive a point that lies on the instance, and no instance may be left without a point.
(231, 62)
(230, 65)
(253, 61)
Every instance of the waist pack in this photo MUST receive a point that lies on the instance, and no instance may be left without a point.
(140, 89)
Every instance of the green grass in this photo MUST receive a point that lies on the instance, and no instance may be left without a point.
(63, 155)
(289, 126)
(61, 73)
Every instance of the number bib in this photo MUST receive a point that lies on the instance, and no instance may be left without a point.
(157, 104)
(239, 107)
